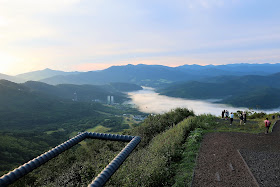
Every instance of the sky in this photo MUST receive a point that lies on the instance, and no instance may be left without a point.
(85, 35)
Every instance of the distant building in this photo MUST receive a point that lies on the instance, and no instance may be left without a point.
(110, 99)
(96, 100)
(139, 118)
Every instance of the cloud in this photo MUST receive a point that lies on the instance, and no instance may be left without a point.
(69, 33)
(29, 7)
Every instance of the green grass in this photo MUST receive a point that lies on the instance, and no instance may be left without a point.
(58, 130)
(74, 133)
(186, 166)
(253, 126)
(130, 121)
(99, 128)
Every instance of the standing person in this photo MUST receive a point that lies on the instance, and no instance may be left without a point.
(244, 117)
(223, 113)
(267, 125)
(226, 114)
(231, 118)
(241, 119)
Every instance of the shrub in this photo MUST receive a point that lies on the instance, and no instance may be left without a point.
(156, 124)
(154, 164)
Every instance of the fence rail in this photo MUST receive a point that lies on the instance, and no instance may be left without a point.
(100, 180)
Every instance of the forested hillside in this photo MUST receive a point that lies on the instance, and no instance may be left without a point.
(33, 119)
(85, 93)
(153, 163)
(251, 91)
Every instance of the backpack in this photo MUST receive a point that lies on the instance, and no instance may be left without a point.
(267, 123)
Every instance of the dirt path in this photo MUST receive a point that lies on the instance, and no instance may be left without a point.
(225, 159)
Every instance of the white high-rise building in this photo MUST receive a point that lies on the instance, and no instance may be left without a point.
(108, 100)
(112, 99)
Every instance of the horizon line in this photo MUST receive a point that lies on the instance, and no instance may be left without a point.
(47, 68)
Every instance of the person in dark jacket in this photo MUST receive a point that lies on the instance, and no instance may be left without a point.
(226, 114)
(244, 117)
(241, 119)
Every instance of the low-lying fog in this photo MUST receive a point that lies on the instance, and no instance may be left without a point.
(149, 101)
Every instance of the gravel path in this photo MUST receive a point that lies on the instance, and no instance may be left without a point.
(221, 164)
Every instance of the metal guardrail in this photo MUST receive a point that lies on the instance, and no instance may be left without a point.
(100, 180)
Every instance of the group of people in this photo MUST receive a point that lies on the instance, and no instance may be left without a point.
(226, 116)
(243, 119)
(242, 116)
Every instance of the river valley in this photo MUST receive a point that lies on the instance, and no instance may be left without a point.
(147, 100)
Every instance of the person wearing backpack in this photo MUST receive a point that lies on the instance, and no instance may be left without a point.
(267, 125)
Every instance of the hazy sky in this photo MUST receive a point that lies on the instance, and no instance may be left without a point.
(87, 35)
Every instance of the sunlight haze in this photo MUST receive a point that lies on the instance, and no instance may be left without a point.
(85, 35)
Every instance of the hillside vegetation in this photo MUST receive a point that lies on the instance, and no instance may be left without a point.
(85, 93)
(262, 92)
(149, 164)
(36, 104)
(33, 119)
(166, 155)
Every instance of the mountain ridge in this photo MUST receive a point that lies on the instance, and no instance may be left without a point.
(159, 75)
(252, 91)
(42, 74)
(144, 75)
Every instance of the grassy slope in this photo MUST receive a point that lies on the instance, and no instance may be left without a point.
(165, 157)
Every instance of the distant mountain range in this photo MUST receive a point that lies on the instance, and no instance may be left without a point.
(236, 84)
(253, 91)
(157, 75)
(10, 78)
(42, 74)
(146, 75)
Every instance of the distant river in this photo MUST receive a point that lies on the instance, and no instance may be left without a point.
(147, 100)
